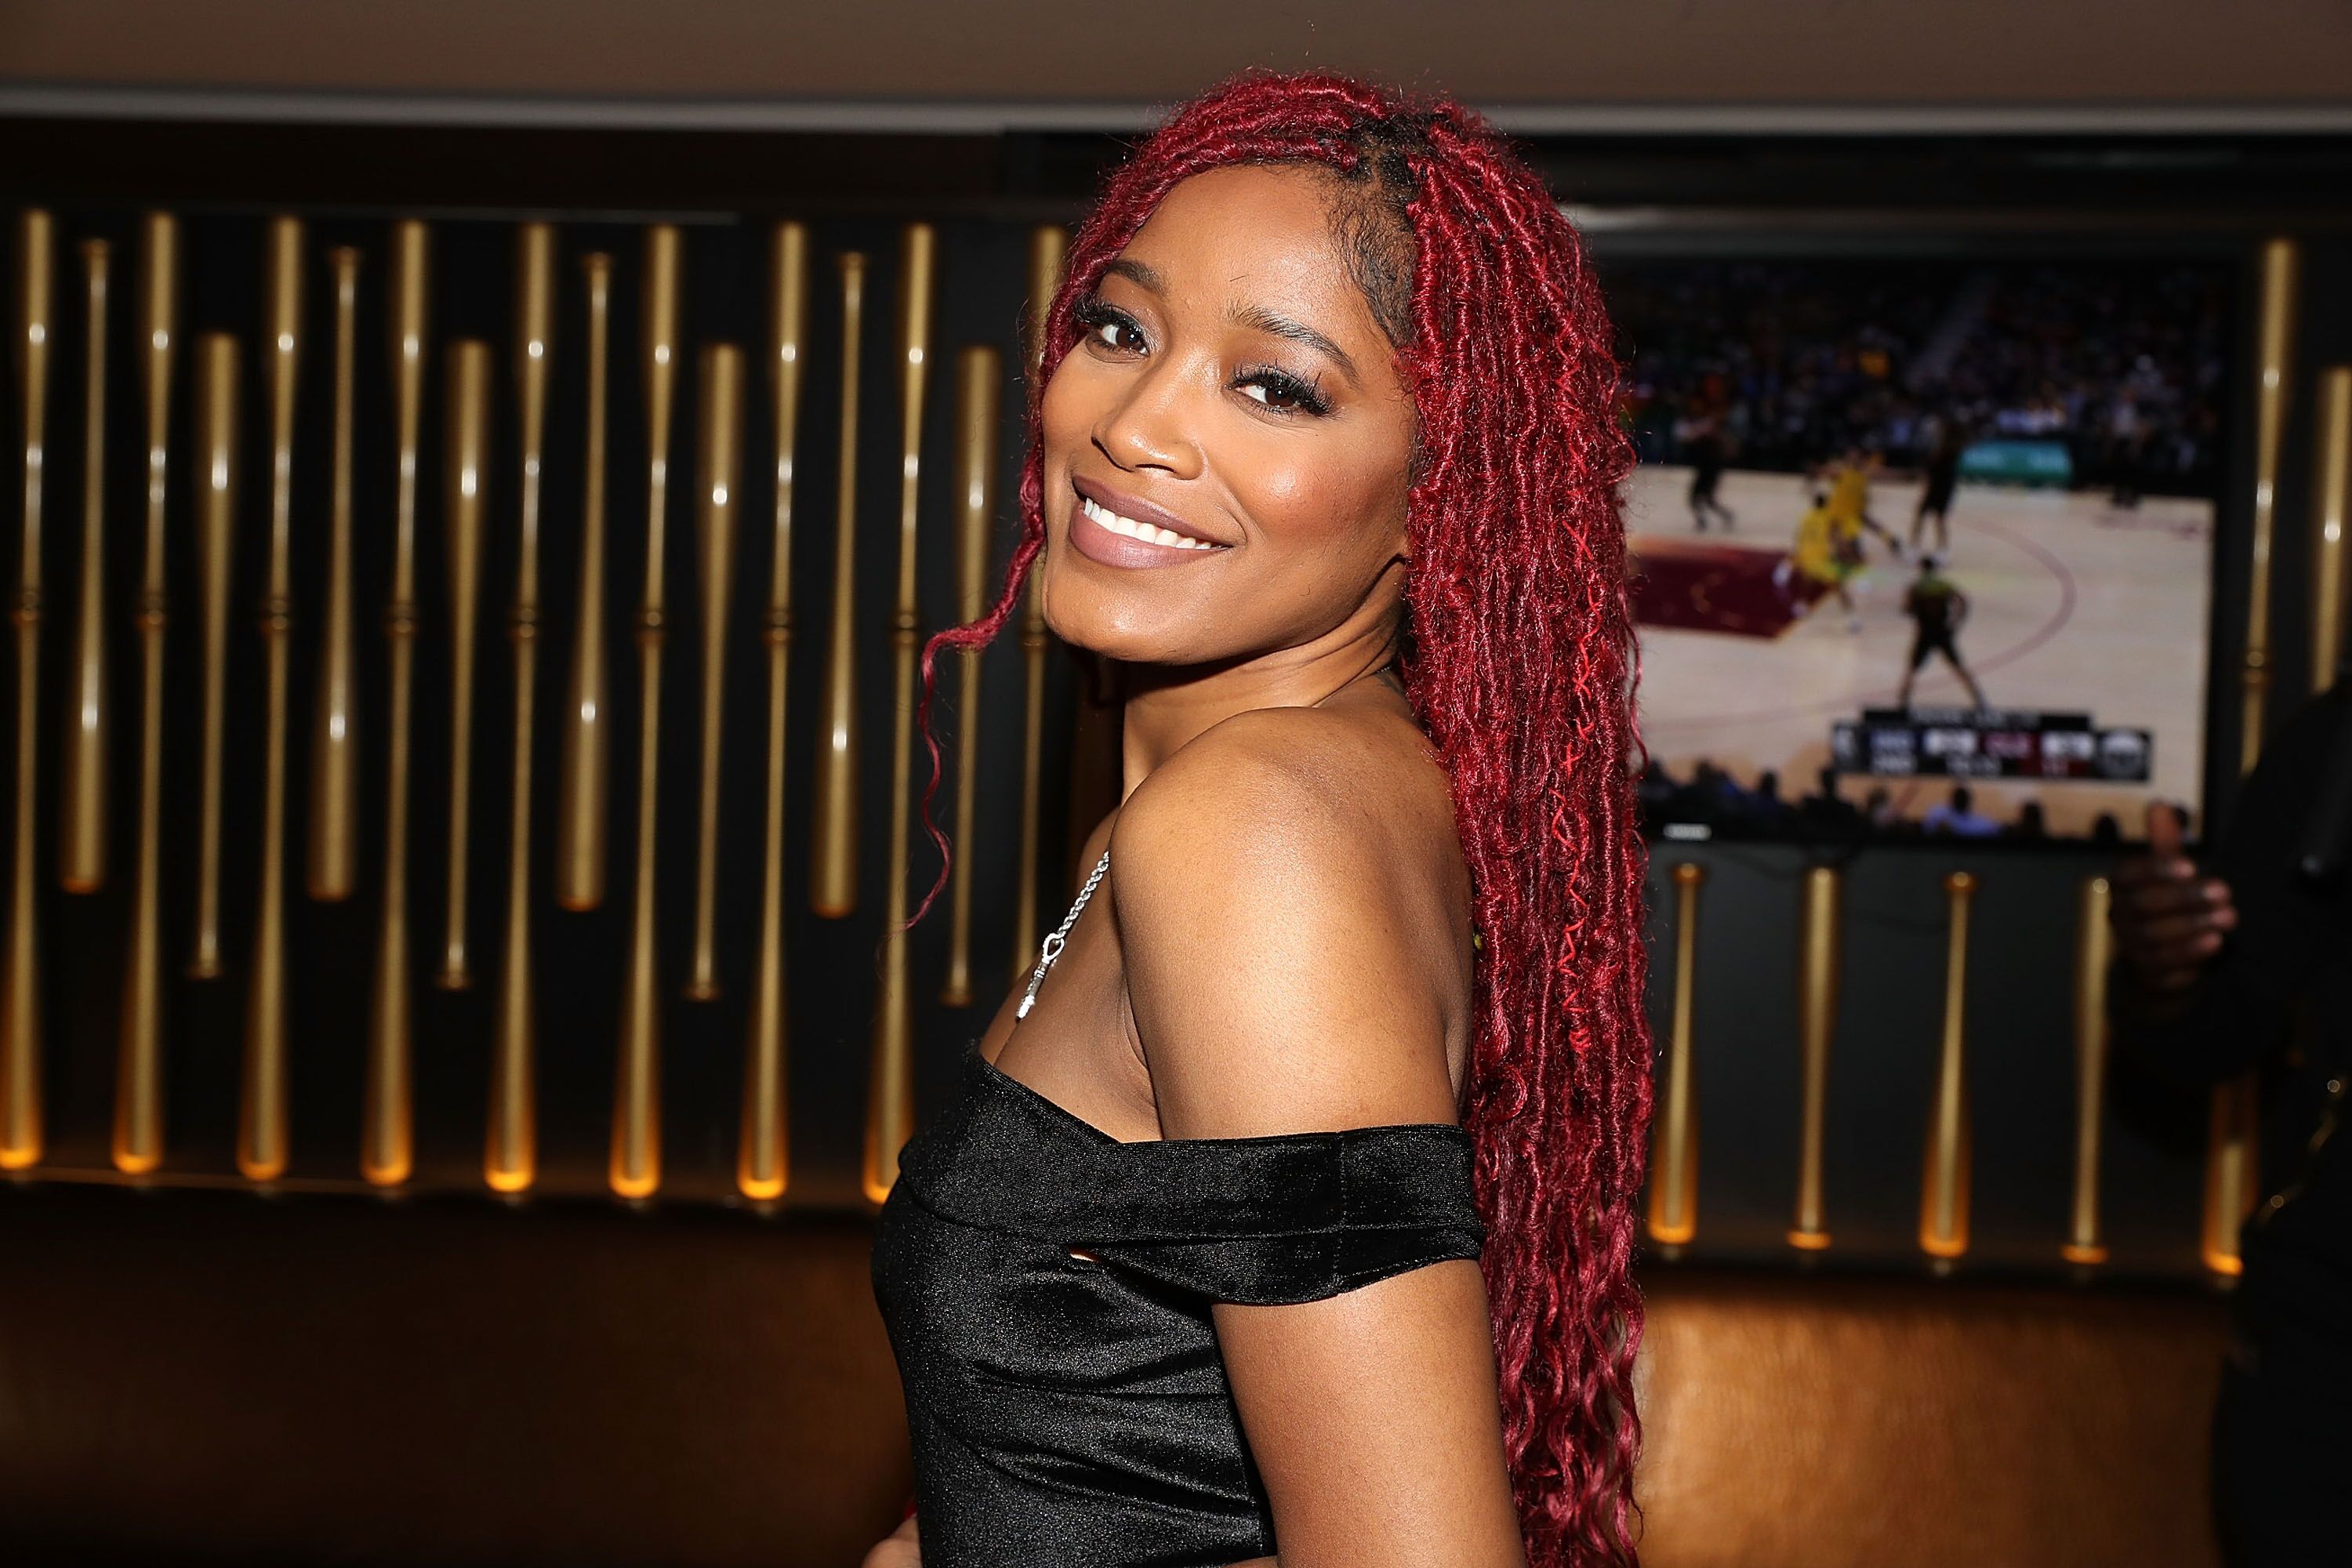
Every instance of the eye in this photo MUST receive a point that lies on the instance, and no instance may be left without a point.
(1283, 392)
(1108, 327)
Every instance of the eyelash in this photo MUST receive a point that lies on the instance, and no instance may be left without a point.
(1092, 315)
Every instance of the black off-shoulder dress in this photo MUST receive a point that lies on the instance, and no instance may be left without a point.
(1075, 1413)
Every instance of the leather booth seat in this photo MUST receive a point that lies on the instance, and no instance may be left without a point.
(198, 1376)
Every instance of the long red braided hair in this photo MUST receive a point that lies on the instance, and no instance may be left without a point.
(1519, 662)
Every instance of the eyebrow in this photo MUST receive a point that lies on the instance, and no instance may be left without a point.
(1139, 274)
(1257, 318)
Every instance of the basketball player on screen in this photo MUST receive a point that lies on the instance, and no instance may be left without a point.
(1942, 475)
(1709, 449)
(1938, 609)
(1825, 559)
(1848, 502)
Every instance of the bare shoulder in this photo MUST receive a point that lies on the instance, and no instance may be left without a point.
(1277, 802)
(1293, 921)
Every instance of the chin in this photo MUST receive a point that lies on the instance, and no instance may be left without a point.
(1102, 630)
(1109, 624)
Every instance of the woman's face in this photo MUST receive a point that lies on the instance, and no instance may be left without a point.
(1230, 385)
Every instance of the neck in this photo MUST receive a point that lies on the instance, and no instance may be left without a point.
(1166, 706)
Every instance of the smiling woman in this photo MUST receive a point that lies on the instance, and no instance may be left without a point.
(1230, 385)
(1292, 1221)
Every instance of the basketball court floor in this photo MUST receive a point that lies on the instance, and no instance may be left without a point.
(2075, 606)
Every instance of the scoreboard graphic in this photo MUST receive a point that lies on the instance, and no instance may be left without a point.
(1989, 743)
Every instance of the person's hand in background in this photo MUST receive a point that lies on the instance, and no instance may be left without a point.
(2169, 920)
(897, 1550)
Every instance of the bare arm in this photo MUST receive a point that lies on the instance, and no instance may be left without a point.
(1287, 964)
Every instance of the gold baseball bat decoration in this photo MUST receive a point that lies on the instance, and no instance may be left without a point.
(511, 1158)
(833, 858)
(215, 544)
(334, 728)
(2233, 1123)
(82, 836)
(636, 1162)
(20, 1009)
(2281, 261)
(2331, 491)
(979, 370)
(580, 821)
(720, 478)
(763, 1151)
(1944, 1193)
(467, 461)
(1817, 1010)
(1674, 1145)
(387, 1115)
(261, 1136)
(138, 1141)
(891, 1087)
(2234, 1111)
(2093, 950)
(1048, 250)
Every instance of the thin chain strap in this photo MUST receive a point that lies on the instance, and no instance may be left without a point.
(1051, 948)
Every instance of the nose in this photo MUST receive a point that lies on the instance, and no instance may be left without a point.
(1150, 426)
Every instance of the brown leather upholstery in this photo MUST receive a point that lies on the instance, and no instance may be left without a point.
(217, 1376)
(1839, 1423)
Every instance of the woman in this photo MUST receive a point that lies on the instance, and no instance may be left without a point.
(1325, 463)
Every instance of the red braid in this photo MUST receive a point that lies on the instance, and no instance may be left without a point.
(1520, 666)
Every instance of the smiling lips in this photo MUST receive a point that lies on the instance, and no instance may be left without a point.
(1101, 533)
(1149, 533)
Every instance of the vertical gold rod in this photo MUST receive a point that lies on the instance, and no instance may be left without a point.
(2231, 1127)
(635, 1161)
(2093, 950)
(138, 1143)
(2280, 263)
(979, 370)
(833, 854)
(580, 822)
(466, 462)
(387, 1136)
(261, 1141)
(890, 1090)
(216, 542)
(2230, 1147)
(1944, 1194)
(334, 730)
(2331, 515)
(1817, 1011)
(720, 478)
(82, 836)
(763, 1155)
(20, 1009)
(1674, 1158)
(1048, 248)
(511, 1159)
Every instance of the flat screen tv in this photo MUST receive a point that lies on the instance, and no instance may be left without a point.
(1921, 547)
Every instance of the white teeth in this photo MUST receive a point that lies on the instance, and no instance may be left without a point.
(1149, 532)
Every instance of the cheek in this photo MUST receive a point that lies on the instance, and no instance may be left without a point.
(1069, 411)
(1327, 493)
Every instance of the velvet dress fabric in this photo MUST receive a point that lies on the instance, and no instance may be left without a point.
(1075, 1413)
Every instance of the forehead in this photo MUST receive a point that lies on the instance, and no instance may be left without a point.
(1256, 236)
